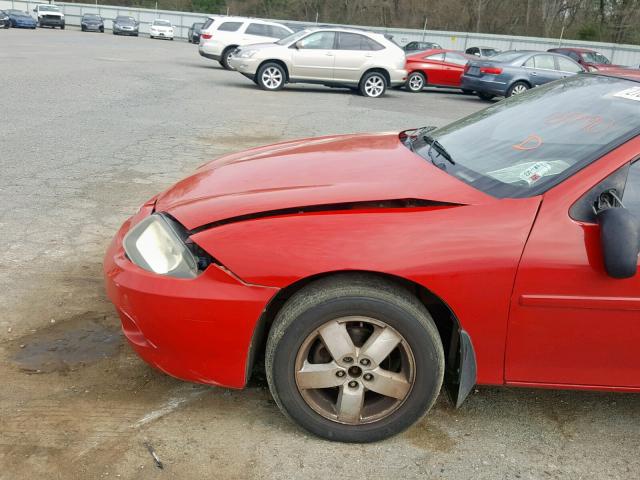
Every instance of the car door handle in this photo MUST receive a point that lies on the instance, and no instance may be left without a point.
(329, 54)
(534, 74)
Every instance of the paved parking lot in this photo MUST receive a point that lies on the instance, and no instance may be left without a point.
(91, 125)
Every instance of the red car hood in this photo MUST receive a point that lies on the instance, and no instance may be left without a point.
(311, 172)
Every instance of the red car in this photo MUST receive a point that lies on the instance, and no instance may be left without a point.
(436, 68)
(589, 59)
(368, 270)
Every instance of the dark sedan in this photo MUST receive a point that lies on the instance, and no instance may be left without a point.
(125, 26)
(515, 72)
(413, 47)
(5, 21)
(20, 19)
(193, 35)
(92, 22)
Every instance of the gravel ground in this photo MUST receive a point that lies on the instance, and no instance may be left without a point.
(91, 126)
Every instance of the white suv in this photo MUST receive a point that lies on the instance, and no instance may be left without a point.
(344, 57)
(222, 35)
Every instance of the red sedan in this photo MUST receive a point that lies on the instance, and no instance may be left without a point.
(369, 270)
(436, 68)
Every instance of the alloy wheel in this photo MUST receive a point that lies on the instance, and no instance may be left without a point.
(374, 86)
(354, 370)
(272, 78)
(518, 89)
(416, 82)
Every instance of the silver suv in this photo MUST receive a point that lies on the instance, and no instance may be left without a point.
(329, 56)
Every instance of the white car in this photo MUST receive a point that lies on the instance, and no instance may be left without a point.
(343, 57)
(161, 29)
(220, 36)
(49, 15)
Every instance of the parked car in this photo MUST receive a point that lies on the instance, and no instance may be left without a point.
(366, 266)
(49, 16)
(436, 68)
(482, 51)
(328, 56)
(589, 59)
(223, 37)
(161, 29)
(515, 72)
(413, 47)
(123, 25)
(20, 19)
(5, 20)
(92, 22)
(193, 34)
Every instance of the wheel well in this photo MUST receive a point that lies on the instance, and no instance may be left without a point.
(443, 316)
(279, 62)
(521, 81)
(227, 48)
(387, 78)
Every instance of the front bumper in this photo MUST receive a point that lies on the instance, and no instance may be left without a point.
(94, 27)
(199, 329)
(125, 32)
(51, 22)
(247, 66)
(18, 24)
(483, 85)
(161, 34)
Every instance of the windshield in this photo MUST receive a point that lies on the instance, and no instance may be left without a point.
(489, 52)
(49, 8)
(595, 57)
(524, 145)
(162, 23)
(125, 20)
(91, 16)
(293, 37)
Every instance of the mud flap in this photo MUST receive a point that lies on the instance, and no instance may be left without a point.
(460, 377)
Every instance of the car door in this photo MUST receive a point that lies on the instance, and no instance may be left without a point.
(541, 69)
(313, 57)
(354, 52)
(453, 68)
(433, 68)
(570, 323)
(567, 68)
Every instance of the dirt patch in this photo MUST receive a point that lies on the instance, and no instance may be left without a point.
(67, 345)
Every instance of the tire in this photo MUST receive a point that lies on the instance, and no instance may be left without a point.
(271, 76)
(365, 305)
(467, 92)
(517, 88)
(416, 81)
(224, 58)
(485, 96)
(62, 27)
(114, 32)
(373, 84)
(171, 39)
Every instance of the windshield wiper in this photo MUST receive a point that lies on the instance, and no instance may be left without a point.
(435, 144)
(416, 134)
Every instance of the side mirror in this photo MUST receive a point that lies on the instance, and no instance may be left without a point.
(620, 240)
(298, 45)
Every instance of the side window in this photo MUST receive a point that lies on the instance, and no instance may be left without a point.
(631, 197)
(530, 63)
(411, 45)
(229, 26)
(350, 41)
(318, 41)
(455, 59)
(438, 57)
(566, 65)
(258, 29)
(370, 44)
(278, 32)
(546, 62)
(207, 24)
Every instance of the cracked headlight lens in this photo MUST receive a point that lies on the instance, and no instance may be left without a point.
(157, 244)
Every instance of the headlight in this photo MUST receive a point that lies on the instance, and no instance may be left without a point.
(246, 53)
(157, 244)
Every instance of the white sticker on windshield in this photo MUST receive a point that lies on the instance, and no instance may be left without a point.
(535, 172)
(632, 93)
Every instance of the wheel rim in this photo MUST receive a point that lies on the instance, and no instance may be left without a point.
(272, 77)
(416, 82)
(518, 89)
(355, 370)
(229, 55)
(374, 86)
